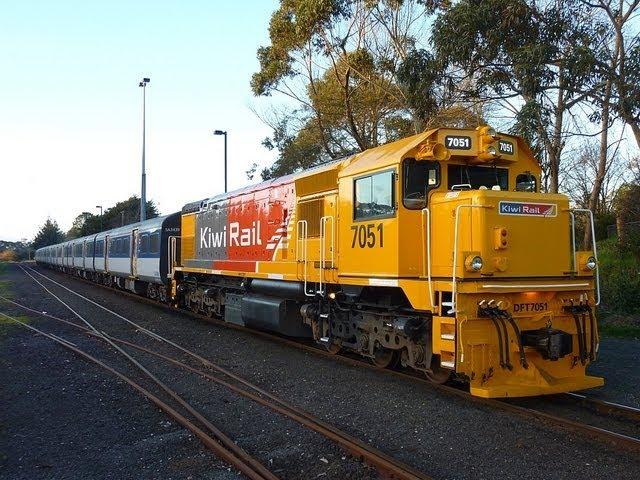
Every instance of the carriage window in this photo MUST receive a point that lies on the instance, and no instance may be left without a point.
(478, 177)
(417, 179)
(374, 196)
(526, 182)
(144, 243)
(125, 246)
(154, 243)
(100, 248)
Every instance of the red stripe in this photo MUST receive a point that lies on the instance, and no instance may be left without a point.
(234, 265)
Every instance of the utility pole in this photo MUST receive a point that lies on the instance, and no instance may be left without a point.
(223, 132)
(143, 194)
(100, 207)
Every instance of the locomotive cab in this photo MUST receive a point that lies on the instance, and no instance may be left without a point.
(512, 297)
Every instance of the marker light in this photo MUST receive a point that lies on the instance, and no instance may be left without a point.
(591, 263)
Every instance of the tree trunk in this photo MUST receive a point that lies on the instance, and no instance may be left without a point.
(556, 143)
(621, 229)
(601, 171)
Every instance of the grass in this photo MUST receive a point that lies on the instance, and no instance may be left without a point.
(5, 289)
(620, 331)
(619, 312)
(7, 325)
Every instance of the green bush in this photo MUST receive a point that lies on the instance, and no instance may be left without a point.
(619, 278)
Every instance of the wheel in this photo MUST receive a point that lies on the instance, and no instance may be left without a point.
(437, 374)
(384, 357)
(332, 348)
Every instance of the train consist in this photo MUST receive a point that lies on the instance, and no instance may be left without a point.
(437, 252)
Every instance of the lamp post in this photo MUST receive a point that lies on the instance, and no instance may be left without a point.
(143, 194)
(100, 207)
(223, 132)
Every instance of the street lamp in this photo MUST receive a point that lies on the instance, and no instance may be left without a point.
(100, 207)
(143, 194)
(223, 132)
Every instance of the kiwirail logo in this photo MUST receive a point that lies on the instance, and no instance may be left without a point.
(528, 209)
(234, 236)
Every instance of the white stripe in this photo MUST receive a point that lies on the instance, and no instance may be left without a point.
(547, 285)
(383, 282)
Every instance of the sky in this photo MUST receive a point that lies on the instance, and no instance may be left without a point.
(71, 108)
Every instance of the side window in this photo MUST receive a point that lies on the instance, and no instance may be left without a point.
(374, 196)
(125, 246)
(526, 182)
(154, 243)
(119, 246)
(418, 177)
(144, 243)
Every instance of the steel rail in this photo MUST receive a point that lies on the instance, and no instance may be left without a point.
(604, 406)
(381, 461)
(240, 463)
(372, 456)
(220, 436)
(585, 429)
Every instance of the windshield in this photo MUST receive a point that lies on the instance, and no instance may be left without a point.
(475, 177)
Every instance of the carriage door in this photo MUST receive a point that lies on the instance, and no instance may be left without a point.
(134, 253)
(107, 242)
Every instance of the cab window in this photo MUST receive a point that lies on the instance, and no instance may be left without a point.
(418, 178)
(374, 196)
(475, 177)
(526, 182)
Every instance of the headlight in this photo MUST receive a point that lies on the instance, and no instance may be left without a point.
(492, 150)
(474, 264)
(591, 263)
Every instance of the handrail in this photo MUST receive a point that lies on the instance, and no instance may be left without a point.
(323, 245)
(574, 267)
(593, 244)
(301, 236)
(455, 252)
(426, 249)
(171, 252)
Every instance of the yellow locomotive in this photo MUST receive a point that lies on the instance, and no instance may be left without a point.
(436, 251)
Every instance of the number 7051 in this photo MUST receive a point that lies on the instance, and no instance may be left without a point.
(369, 235)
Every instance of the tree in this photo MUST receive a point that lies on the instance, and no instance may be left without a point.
(532, 58)
(620, 65)
(49, 234)
(627, 208)
(360, 72)
(77, 227)
(8, 256)
(122, 213)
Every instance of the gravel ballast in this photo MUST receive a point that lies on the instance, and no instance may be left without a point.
(68, 419)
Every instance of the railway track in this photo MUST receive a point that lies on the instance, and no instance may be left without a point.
(386, 465)
(220, 445)
(585, 429)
